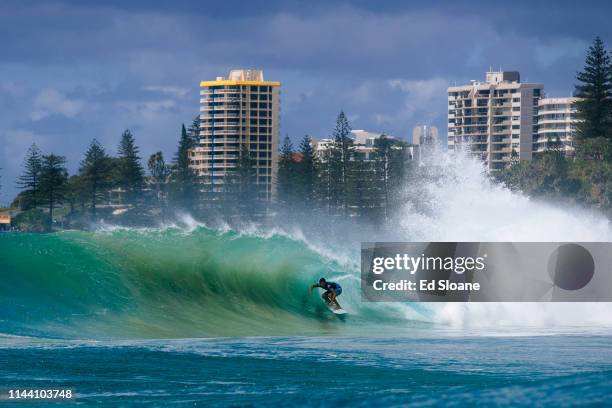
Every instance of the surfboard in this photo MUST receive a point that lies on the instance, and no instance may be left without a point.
(332, 307)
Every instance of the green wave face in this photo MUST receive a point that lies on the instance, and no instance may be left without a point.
(169, 283)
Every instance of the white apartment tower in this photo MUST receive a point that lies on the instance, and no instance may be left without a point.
(556, 124)
(424, 135)
(239, 111)
(495, 119)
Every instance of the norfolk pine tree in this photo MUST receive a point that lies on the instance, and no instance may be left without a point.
(184, 181)
(96, 172)
(29, 181)
(130, 173)
(53, 182)
(594, 108)
(286, 174)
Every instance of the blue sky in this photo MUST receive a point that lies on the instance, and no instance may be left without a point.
(74, 70)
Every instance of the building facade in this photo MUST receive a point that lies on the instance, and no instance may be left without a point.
(364, 144)
(495, 119)
(5, 221)
(238, 112)
(424, 135)
(556, 125)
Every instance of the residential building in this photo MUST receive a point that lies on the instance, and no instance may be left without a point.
(364, 143)
(5, 221)
(239, 111)
(424, 135)
(556, 124)
(495, 119)
(321, 145)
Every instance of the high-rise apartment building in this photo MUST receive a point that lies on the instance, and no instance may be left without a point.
(556, 125)
(239, 111)
(364, 145)
(424, 135)
(496, 119)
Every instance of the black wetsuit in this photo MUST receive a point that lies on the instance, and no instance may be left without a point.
(328, 286)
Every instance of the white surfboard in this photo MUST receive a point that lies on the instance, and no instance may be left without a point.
(333, 308)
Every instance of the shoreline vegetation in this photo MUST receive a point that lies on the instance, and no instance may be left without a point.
(339, 186)
(584, 177)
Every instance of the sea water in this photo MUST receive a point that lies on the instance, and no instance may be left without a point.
(190, 315)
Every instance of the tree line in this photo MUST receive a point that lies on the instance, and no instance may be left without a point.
(103, 184)
(343, 180)
(340, 182)
(585, 177)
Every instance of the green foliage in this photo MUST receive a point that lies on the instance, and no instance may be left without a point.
(391, 167)
(585, 179)
(130, 173)
(158, 168)
(341, 161)
(160, 173)
(594, 109)
(96, 173)
(332, 168)
(596, 183)
(547, 176)
(53, 182)
(306, 175)
(242, 196)
(597, 148)
(194, 130)
(287, 166)
(29, 181)
(357, 183)
(362, 189)
(76, 194)
(184, 183)
(32, 220)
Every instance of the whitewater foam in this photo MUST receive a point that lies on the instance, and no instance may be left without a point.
(464, 204)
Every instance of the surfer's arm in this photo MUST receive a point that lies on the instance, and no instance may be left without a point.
(316, 285)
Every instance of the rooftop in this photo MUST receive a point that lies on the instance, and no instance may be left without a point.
(241, 77)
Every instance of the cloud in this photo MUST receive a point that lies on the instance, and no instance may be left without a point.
(549, 53)
(15, 144)
(51, 102)
(104, 67)
(420, 89)
(423, 101)
(148, 110)
(175, 91)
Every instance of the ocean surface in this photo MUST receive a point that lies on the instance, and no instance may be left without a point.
(168, 317)
(187, 315)
(425, 370)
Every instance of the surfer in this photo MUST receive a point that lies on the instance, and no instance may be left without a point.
(332, 291)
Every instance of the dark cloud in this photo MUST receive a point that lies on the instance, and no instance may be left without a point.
(74, 70)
